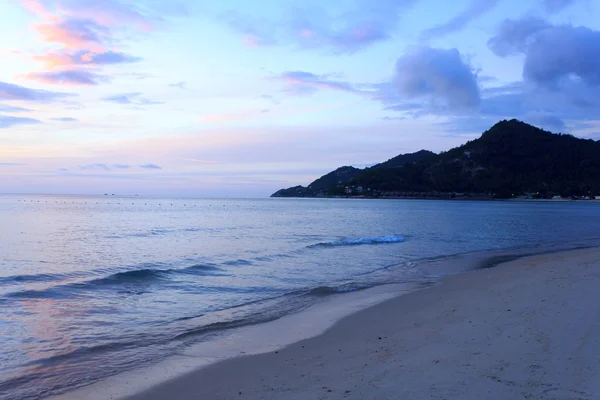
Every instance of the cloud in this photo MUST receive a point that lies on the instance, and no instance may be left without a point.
(65, 119)
(554, 6)
(7, 121)
(180, 85)
(94, 167)
(109, 13)
(302, 83)
(130, 98)
(121, 166)
(74, 33)
(474, 10)
(12, 109)
(270, 98)
(63, 169)
(358, 25)
(554, 54)
(545, 120)
(9, 91)
(85, 57)
(150, 166)
(76, 77)
(439, 76)
(87, 29)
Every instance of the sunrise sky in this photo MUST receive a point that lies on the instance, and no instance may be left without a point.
(241, 98)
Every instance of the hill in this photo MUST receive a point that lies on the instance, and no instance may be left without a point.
(509, 159)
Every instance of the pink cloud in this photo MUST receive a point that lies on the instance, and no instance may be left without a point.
(73, 33)
(84, 57)
(110, 13)
(300, 83)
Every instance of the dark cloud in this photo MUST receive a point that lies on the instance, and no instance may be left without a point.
(65, 119)
(7, 121)
(9, 91)
(548, 121)
(554, 54)
(514, 36)
(131, 98)
(150, 166)
(438, 76)
(354, 26)
(96, 167)
(68, 77)
(460, 21)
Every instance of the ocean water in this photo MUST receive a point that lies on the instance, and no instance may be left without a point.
(91, 286)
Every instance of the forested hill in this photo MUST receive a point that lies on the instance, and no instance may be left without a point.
(510, 158)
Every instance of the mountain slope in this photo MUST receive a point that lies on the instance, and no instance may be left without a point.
(510, 158)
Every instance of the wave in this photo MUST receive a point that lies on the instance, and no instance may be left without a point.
(361, 241)
(329, 290)
(135, 277)
(155, 232)
(31, 278)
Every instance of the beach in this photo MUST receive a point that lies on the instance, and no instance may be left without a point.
(528, 328)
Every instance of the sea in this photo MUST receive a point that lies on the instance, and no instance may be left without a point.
(93, 286)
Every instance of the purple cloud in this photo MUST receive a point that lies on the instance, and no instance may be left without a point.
(12, 109)
(74, 33)
(130, 98)
(7, 121)
(121, 166)
(9, 91)
(85, 57)
(75, 77)
(96, 167)
(123, 13)
(352, 28)
(554, 54)
(476, 9)
(65, 119)
(302, 83)
(180, 85)
(150, 166)
(440, 77)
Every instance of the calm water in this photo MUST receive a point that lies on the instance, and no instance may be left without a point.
(91, 286)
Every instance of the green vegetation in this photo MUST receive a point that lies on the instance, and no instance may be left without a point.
(512, 158)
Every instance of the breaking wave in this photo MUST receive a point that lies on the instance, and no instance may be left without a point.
(359, 241)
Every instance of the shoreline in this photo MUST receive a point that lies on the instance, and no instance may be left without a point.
(526, 329)
(335, 310)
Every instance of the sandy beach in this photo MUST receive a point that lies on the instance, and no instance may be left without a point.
(527, 329)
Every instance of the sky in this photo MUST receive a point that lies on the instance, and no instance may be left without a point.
(241, 98)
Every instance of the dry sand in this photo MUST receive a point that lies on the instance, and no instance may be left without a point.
(529, 329)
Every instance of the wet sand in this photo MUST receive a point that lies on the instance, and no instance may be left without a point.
(528, 329)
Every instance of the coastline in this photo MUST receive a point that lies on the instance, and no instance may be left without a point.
(200, 373)
(526, 329)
